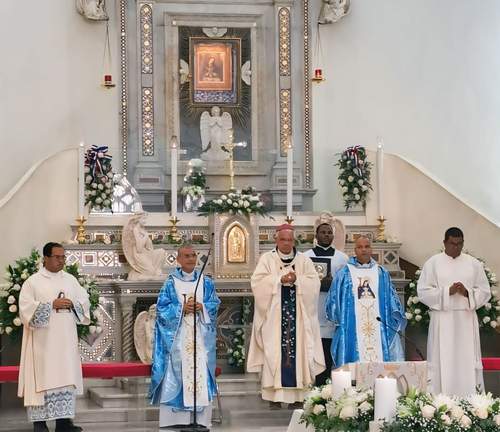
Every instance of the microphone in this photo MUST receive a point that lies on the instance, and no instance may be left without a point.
(413, 344)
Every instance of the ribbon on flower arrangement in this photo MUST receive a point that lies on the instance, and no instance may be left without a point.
(95, 158)
(353, 154)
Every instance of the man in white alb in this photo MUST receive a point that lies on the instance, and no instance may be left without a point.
(51, 304)
(325, 252)
(454, 285)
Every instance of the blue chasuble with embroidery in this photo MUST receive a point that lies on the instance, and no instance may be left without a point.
(340, 309)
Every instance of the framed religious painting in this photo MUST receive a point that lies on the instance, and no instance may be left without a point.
(322, 266)
(215, 71)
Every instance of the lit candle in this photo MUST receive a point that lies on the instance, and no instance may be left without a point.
(289, 177)
(380, 177)
(81, 180)
(341, 380)
(173, 178)
(386, 398)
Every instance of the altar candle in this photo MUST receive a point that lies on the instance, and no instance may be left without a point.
(173, 178)
(386, 398)
(380, 177)
(289, 177)
(81, 180)
(341, 380)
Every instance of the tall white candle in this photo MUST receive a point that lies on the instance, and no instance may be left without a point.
(81, 180)
(289, 177)
(341, 380)
(386, 398)
(173, 179)
(380, 177)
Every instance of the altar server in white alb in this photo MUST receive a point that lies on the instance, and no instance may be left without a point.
(454, 285)
(285, 345)
(51, 304)
(329, 233)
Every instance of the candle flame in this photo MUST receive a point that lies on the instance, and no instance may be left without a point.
(173, 142)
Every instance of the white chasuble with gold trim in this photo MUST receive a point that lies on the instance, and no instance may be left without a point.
(366, 306)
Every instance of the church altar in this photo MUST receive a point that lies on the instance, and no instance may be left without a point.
(122, 300)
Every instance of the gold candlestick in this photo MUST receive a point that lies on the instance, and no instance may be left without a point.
(229, 147)
(174, 233)
(381, 229)
(289, 220)
(80, 231)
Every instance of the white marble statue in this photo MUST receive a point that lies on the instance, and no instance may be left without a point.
(333, 10)
(214, 131)
(183, 71)
(145, 262)
(144, 334)
(94, 10)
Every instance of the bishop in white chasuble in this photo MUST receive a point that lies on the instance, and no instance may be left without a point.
(454, 285)
(361, 292)
(285, 345)
(172, 376)
(51, 304)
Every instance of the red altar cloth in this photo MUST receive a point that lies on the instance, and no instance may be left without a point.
(105, 370)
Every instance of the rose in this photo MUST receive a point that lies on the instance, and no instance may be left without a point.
(24, 275)
(482, 413)
(412, 285)
(496, 419)
(360, 182)
(223, 197)
(98, 200)
(465, 421)
(416, 300)
(229, 201)
(16, 287)
(13, 308)
(326, 391)
(446, 419)
(17, 321)
(428, 411)
(355, 190)
(357, 197)
(418, 317)
(318, 409)
(8, 330)
(94, 185)
(350, 179)
(348, 411)
(365, 407)
(493, 324)
(364, 188)
(486, 319)
(418, 311)
(235, 204)
(487, 306)
(408, 315)
(11, 299)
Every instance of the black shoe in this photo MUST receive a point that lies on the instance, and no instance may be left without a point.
(66, 425)
(295, 405)
(40, 426)
(274, 405)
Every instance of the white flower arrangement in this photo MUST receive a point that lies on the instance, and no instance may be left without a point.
(424, 412)
(99, 182)
(234, 202)
(352, 411)
(417, 313)
(10, 322)
(354, 176)
(236, 351)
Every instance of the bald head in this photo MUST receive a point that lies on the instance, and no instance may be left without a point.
(285, 241)
(363, 249)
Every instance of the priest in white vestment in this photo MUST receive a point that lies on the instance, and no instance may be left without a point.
(366, 311)
(330, 260)
(51, 304)
(285, 345)
(454, 285)
(172, 377)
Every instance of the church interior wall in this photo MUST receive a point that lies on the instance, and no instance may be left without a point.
(423, 75)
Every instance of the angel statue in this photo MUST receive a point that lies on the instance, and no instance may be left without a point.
(214, 131)
(94, 10)
(145, 262)
(144, 334)
(333, 10)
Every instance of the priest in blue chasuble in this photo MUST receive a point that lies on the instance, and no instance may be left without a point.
(172, 376)
(361, 292)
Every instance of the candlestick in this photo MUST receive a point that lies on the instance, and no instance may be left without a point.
(173, 177)
(380, 177)
(80, 231)
(81, 180)
(341, 380)
(386, 398)
(289, 178)
(381, 230)
(174, 233)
